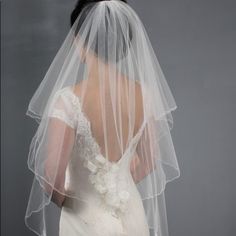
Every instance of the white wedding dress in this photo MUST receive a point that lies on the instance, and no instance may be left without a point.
(113, 205)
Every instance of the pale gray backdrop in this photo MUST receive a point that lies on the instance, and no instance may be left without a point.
(195, 42)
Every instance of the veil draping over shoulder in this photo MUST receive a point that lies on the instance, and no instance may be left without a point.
(109, 65)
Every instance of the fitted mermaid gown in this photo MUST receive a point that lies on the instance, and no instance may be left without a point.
(110, 208)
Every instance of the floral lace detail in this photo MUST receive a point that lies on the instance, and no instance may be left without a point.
(104, 175)
(107, 181)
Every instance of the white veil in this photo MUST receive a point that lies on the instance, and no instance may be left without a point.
(108, 64)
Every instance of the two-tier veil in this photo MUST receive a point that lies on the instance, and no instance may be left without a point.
(109, 63)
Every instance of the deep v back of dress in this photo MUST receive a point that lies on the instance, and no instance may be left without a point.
(109, 198)
(101, 118)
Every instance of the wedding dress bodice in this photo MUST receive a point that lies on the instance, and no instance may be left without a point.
(106, 200)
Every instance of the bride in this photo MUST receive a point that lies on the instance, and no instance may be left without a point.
(102, 153)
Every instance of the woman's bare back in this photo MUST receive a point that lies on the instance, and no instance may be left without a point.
(91, 107)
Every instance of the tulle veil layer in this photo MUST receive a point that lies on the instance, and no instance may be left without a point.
(107, 54)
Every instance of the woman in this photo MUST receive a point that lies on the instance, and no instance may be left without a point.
(103, 152)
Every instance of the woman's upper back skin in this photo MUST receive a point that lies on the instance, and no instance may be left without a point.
(91, 107)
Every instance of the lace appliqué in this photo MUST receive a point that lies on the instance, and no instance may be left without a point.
(105, 176)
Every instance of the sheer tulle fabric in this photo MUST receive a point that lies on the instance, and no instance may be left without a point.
(127, 107)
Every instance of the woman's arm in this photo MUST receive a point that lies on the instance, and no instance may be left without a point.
(60, 144)
(144, 161)
(140, 169)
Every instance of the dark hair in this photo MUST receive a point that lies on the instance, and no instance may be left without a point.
(79, 7)
(82, 9)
